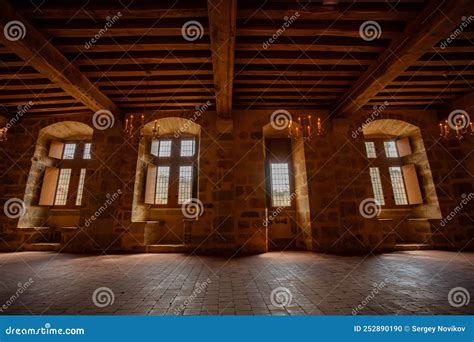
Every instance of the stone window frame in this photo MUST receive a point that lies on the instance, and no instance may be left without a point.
(76, 164)
(279, 154)
(383, 163)
(175, 161)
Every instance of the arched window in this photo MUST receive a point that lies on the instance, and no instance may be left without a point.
(167, 173)
(389, 173)
(63, 184)
(172, 174)
(58, 172)
(399, 168)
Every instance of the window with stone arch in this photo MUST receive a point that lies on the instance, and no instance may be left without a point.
(398, 167)
(172, 175)
(167, 173)
(58, 175)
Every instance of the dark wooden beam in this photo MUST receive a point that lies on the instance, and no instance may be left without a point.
(222, 28)
(433, 24)
(39, 53)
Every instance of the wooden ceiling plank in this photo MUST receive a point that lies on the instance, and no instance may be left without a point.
(222, 28)
(39, 53)
(431, 25)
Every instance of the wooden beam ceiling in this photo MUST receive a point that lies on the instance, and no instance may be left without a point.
(222, 27)
(39, 53)
(312, 63)
(433, 24)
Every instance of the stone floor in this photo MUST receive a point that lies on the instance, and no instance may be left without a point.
(303, 283)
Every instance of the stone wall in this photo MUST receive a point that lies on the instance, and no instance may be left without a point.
(232, 189)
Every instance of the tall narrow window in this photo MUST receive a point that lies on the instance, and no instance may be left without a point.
(176, 162)
(80, 187)
(398, 186)
(162, 183)
(377, 185)
(63, 187)
(87, 151)
(185, 183)
(387, 173)
(280, 180)
(279, 172)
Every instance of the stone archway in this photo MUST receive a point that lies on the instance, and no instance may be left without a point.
(292, 226)
(413, 225)
(163, 226)
(40, 216)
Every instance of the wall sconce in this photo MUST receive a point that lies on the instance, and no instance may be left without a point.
(3, 134)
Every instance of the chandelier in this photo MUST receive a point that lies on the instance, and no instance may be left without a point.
(130, 129)
(458, 125)
(305, 128)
